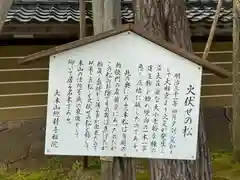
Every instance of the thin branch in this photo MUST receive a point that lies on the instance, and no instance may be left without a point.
(212, 31)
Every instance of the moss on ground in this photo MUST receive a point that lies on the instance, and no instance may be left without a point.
(223, 169)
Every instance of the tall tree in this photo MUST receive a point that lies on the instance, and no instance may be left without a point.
(107, 16)
(167, 20)
(5, 5)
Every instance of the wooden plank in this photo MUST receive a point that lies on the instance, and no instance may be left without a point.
(42, 87)
(23, 100)
(12, 63)
(30, 75)
(212, 79)
(73, 44)
(216, 46)
(40, 112)
(41, 99)
(22, 113)
(138, 30)
(27, 49)
(44, 29)
(21, 50)
(227, 66)
(219, 57)
(217, 101)
(216, 90)
(6, 76)
(182, 52)
(21, 88)
(45, 63)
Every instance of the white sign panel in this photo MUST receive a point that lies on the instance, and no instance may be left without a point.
(123, 96)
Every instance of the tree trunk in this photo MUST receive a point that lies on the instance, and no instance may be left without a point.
(5, 5)
(98, 15)
(167, 19)
(106, 16)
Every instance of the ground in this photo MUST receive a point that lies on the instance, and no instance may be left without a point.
(22, 147)
(223, 169)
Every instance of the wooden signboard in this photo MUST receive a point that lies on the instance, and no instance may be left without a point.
(140, 103)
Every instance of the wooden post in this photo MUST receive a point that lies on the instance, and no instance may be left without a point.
(82, 22)
(82, 33)
(5, 6)
(236, 88)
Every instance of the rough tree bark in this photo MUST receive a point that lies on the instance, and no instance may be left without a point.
(167, 19)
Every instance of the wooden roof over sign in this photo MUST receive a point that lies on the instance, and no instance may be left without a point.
(141, 32)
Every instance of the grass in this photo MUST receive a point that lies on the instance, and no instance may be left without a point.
(223, 169)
